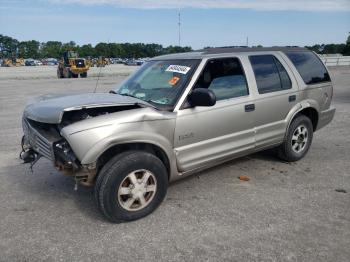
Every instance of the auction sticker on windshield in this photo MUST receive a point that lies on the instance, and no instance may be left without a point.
(174, 81)
(178, 69)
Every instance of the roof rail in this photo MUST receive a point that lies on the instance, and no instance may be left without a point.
(218, 50)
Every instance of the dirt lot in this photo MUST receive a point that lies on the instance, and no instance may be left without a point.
(50, 72)
(286, 212)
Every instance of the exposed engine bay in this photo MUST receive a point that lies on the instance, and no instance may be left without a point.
(70, 117)
(45, 140)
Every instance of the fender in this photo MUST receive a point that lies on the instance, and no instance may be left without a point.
(155, 139)
(308, 103)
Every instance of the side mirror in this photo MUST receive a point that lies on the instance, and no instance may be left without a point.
(202, 97)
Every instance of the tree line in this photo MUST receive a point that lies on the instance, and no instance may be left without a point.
(343, 49)
(10, 47)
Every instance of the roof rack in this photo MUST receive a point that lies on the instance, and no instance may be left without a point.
(218, 50)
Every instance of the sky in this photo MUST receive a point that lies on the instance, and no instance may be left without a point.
(203, 22)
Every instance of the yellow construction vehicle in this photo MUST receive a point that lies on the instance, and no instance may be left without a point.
(90, 61)
(72, 66)
(102, 61)
(7, 62)
(19, 62)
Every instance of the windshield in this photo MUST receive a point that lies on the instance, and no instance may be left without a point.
(159, 82)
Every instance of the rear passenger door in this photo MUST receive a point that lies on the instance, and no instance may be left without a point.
(276, 96)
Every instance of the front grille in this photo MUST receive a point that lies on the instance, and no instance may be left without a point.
(43, 147)
(80, 63)
(40, 140)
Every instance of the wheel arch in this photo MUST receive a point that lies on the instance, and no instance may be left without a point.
(142, 146)
(311, 113)
(309, 110)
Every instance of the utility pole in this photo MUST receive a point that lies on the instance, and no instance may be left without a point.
(179, 24)
(247, 43)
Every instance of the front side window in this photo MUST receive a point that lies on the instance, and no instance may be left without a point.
(309, 67)
(159, 82)
(270, 74)
(225, 77)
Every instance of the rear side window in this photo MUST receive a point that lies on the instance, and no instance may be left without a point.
(270, 74)
(309, 67)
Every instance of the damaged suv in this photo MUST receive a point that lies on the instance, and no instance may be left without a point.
(179, 114)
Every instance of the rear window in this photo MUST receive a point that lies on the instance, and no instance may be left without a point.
(309, 67)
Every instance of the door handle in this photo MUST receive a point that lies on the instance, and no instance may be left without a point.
(292, 98)
(249, 108)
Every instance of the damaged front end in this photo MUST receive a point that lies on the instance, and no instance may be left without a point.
(44, 140)
(53, 128)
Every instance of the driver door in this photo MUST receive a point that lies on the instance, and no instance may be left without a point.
(205, 136)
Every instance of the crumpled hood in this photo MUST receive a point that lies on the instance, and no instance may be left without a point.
(50, 108)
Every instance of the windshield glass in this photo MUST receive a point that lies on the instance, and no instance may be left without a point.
(159, 82)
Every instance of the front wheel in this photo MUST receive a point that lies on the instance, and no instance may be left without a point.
(298, 139)
(131, 186)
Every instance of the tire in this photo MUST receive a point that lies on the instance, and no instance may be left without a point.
(297, 140)
(74, 75)
(59, 73)
(83, 75)
(115, 178)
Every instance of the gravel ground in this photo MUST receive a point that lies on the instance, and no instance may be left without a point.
(50, 72)
(286, 212)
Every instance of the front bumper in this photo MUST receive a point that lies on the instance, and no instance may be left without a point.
(326, 117)
(79, 70)
(38, 142)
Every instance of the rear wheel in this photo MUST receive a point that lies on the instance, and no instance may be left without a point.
(298, 139)
(83, 75)
(74, 75)
(131, 186)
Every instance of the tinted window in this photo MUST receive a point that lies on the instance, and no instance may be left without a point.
(309, 67)
(225, 77)
(285, 80)
(269, 73)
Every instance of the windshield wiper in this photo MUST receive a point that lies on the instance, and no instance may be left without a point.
(128, 95)
(125, 94)
(147, 103)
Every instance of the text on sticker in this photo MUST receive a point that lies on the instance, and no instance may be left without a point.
(178, 69)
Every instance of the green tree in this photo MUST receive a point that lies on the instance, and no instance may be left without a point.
(346, 49)
(101, 49)
(177, 49)
(29, 49)
(51, 49)
(86, 50)
(8, 46)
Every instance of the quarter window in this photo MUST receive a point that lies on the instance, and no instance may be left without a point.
(309, 67)
(270, 74)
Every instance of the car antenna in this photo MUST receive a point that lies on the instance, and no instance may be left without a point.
(99, 73)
